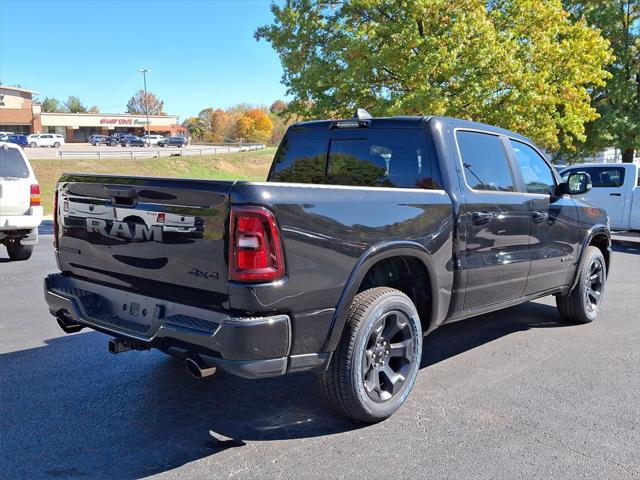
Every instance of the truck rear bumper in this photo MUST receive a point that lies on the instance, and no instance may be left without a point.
(250, 347)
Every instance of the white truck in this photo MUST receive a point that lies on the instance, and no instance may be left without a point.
(20, 209)
(616, 188)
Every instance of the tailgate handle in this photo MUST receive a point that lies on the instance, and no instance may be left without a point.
(122, 196)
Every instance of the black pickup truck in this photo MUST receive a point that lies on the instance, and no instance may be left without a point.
(368, 234)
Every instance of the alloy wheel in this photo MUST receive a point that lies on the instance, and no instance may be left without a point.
(594, 287)
(388, 356)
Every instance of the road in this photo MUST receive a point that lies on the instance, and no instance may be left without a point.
(514, 394)
(142, 152)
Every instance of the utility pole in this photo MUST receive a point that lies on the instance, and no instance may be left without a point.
(146, 100)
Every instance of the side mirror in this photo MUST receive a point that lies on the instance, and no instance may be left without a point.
(577, 183)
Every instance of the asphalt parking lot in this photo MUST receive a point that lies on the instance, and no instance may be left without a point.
(513, 394)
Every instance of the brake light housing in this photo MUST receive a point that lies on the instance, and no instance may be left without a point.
(255, 245)
(35, 195)
(55, 218)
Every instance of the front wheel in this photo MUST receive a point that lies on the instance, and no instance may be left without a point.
(17, 251)
(376, 363)
(33, 144)
(582, 304)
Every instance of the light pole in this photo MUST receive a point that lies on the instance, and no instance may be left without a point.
(146, 100)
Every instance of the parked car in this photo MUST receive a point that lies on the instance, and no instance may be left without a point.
(46, 140)
(367, 234)
(97, 140)
(152, 139)
(114, 139)
(20, 209)
(616, 188)
(173, 142)
(131, 141)
(20, 140)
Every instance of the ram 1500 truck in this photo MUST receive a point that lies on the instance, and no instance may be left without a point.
(368, 234)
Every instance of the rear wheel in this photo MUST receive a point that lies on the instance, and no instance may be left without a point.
(376, 363)
(33, 144)
(56, 145)
(17, 251)
(583, 303)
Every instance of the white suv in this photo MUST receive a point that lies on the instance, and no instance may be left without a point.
(20, 210)
(46, 140)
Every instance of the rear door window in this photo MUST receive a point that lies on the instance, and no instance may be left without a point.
(485, 162)
(12, 165)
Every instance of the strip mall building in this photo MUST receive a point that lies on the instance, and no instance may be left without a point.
(20, 114)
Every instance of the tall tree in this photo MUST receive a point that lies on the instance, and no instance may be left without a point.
(196, 127)
(520, 64)
(140, 102)
(74, 105)
(254, 125)
(50, 105)
(618, 102)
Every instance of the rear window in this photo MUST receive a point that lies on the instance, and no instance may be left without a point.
(358, 157)
(485, 162)
(12, 164)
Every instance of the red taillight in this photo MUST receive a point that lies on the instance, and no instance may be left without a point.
(255, 249)
(160, 218)
(35, 195)
(55, 218)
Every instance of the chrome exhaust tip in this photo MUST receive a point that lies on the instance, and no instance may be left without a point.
(198, 368)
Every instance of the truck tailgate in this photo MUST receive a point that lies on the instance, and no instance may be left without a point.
(150, 235)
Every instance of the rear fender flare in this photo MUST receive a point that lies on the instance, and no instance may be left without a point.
(369, 258)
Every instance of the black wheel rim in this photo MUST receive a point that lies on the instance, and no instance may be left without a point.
(594, 287)
(388, 356)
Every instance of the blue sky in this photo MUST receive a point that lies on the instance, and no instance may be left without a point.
(200, 52)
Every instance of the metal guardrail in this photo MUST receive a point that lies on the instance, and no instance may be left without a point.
(161, 152)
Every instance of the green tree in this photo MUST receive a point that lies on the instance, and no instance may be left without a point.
(74, 105)
(140, 102)
(196, 127)
(617, 102)
(520, 64)
(50, 105)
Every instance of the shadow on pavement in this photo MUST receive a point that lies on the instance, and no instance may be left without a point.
(69, 409)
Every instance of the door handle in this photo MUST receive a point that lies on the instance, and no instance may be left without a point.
(481, 218)
(615, 194)
(538, 217)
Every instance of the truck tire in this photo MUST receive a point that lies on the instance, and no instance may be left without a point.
(377, 360)
(582, 304)
(17, 251)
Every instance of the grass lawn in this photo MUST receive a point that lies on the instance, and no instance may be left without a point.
(228, 166)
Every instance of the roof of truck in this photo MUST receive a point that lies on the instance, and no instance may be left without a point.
(405, 122)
